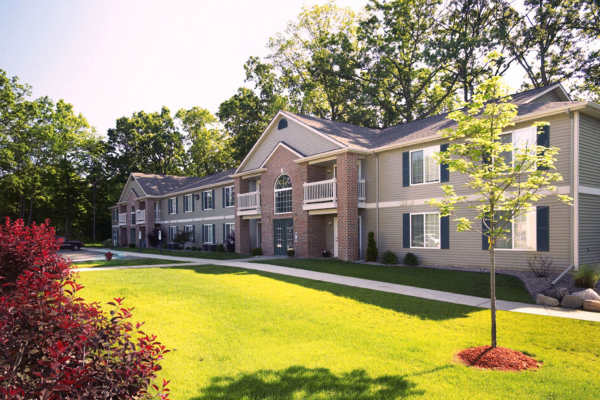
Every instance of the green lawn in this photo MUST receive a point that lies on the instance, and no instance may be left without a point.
(471, 283)
(123, 262)
(215, 255)
(239, 334)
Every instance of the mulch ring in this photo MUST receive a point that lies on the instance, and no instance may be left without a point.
(499, 358)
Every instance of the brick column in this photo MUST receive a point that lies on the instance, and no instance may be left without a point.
(347, 194)
(242, 227)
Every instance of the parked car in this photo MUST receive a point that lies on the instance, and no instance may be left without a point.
(70, 244)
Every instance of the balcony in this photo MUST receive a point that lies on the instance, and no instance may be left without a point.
(362, 191)
(140, 217)
(123, 218)
(248, 203)
(321, 194)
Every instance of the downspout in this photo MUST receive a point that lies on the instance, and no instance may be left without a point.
(575, 190)
(377, 197)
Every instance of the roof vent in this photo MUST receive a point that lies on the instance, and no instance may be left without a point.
(282, 123)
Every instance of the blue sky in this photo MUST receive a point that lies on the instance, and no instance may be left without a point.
(110, 58)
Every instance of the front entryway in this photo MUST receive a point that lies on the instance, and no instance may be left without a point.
(283, 234)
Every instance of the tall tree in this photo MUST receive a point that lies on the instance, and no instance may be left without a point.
(208, 147)
(507, 179)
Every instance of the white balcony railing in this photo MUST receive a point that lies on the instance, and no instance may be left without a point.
(321, 191)
(123, 218)
(140, 216)
(362, 190)
(249, 201)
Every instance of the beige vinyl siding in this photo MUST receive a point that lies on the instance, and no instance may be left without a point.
(465, 247)
(219, 212)
(128, 190)
(296, 136)
(589, 228)
(589, 151)
(548, 97)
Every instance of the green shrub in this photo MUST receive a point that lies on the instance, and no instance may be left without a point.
(371, 247)
(411, 259)
(220, 248)
(291, 252)
(107, 243)
(132, 245)
(587, 276)
(257, 252)
(389, 257)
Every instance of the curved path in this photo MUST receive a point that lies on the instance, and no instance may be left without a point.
(430, 294)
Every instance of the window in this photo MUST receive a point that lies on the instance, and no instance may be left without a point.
(208, 233)
(191, 232)
(228, 196)
(208, 202)
(523, 140)
(173, 205)
(132, 215)
(424, 168)
(115, 215)
(283, 195)
(188, 203)
(282, 124)
(157, 210)
(229, 232)
(172, 233)
(425, 230)
(521, 233)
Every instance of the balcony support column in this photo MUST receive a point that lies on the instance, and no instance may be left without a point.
(347, 195)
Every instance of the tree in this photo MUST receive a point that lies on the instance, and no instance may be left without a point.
(208, 147)
(507, 179)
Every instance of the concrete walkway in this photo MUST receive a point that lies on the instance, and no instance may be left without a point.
(429, 294)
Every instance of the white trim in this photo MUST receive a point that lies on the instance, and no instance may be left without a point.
(589, 190)
(247, 216)
(576, 188)
(271, 124)
(232, 188)
(438, 247)
(323, 211)
(249, 174)
(198, 219)
(275, 191)
(548, 90)
(318, 206)
(254, 211)
(285, 146)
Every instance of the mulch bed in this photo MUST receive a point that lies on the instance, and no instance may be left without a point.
(499, 358)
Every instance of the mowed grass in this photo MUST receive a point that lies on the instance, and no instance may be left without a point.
(215, 255)
(123, 262)
(472, 283)
(240, 334)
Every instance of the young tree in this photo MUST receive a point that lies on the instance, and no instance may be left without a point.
(507, 180)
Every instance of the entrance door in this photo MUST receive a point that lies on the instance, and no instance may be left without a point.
(283, 235)
(335, 236)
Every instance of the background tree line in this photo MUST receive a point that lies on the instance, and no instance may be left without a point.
(392, 62)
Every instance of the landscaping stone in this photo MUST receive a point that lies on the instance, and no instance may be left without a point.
(557, 292)
(591, 305)
(546, 300)
(572, 301)
(587, 294)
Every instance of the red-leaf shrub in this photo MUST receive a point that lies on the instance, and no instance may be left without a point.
(108, 256)
(55, 345)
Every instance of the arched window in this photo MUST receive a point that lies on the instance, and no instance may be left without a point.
(283, 194)
(282, 123)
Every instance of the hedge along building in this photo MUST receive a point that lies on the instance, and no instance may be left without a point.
(201, 207)
(315, 185)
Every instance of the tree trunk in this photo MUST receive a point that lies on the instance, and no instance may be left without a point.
(493, 292)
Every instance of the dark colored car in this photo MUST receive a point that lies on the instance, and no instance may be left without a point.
(70, 244)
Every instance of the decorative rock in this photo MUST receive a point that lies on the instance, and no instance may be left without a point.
(546, 300)
(591, 305)
(587, 294)
(557, 292)
(572, 301)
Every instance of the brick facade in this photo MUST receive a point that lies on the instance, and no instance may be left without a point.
(347, 193)
(242, 226)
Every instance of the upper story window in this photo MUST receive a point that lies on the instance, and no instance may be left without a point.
(283, 194)
(424, 168)
(282, 124)
(157, 210)
(524, 141)
(188, 203)
(228, 196)
(173, 205)
(208, 200)
(115, 215)
(425, 230)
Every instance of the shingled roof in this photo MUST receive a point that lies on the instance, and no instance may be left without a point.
(361, 138)
(159, 185)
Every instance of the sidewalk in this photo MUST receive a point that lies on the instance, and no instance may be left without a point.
(429, 294)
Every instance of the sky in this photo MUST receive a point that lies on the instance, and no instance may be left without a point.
(111, 58)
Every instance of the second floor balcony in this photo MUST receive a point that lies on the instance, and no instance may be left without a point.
(248, 203)
(320, 194)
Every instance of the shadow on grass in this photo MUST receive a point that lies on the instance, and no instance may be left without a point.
(422, 308)
(298, 382)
